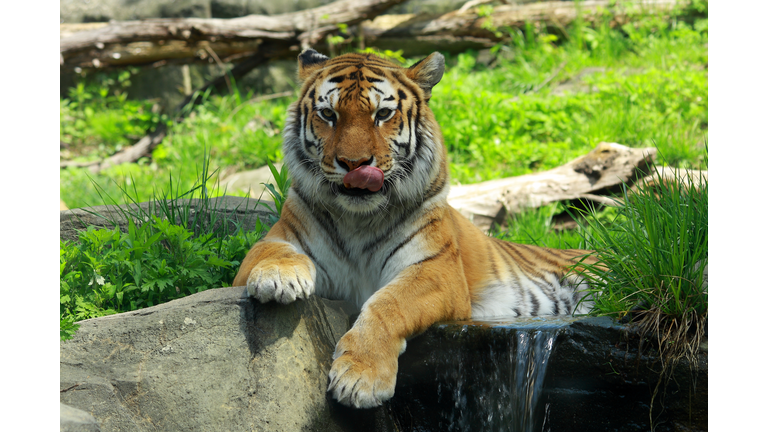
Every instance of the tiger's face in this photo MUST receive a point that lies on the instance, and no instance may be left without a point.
(361, 136)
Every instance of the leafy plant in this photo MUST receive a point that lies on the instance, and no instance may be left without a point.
(652, 267)
(108, 271)
(97, 118)
(280, 192)
(178, 245)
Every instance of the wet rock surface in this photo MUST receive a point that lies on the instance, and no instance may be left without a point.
(465, 376)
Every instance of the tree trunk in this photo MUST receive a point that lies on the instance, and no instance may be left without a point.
(467, 29)
(164, 41)
(196, 39)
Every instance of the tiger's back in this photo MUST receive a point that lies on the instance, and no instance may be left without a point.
(367, 220)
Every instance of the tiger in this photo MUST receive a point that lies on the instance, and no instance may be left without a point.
(366, 219)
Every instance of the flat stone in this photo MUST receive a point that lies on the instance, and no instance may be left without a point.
(237, 210)
(216, 360)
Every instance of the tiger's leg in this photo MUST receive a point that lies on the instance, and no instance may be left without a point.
(274, 269)
(364, 370)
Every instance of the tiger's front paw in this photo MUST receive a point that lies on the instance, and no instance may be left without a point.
(282, 282)
(359, 377)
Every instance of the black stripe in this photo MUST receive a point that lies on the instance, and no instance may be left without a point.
(520, 259)
(388, 232)
(435, 187)
(304, 246)
(326, 223)
(494, 269)
(407, 239)
(375, 70)
(535, 303)
(504, 255)
(435, 256)
(546, 288)
(540, 253)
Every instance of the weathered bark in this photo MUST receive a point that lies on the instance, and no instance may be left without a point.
(665, 175)
(186, 40)
(465, 28)
(589, 177)
(164, 41)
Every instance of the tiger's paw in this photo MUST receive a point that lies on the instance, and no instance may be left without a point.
(361, 378)
(279, 282)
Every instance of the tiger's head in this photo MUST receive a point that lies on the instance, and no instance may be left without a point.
(361, 136)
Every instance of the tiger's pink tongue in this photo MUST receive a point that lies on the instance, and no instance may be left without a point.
(364, 177)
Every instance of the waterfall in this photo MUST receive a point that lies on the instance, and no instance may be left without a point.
(481, 376)
(502, 394)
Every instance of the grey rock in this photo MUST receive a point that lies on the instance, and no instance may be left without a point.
(251, 181)
(234, 211)
(75, 420)
(213, 361)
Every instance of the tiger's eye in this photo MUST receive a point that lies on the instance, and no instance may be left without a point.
(327, 113)
(383, 113)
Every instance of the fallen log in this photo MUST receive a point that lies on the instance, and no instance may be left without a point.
(471, 28)
(590, 177)
(308, 26)
(145, 42)
(165, 41)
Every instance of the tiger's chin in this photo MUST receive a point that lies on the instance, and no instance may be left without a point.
(358, 200)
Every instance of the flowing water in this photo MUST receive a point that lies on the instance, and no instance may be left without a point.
(482, 376)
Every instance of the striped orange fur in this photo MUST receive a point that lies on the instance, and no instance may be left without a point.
(401, 253)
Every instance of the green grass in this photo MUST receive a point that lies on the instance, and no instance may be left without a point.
(653, 256)
(536, 227)
(172, 249)
(649, 89)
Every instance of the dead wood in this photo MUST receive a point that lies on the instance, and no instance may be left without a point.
(666, 175)
(466, 28)
(175, 41)
(305, 27)
(590, 177)
(186, 40)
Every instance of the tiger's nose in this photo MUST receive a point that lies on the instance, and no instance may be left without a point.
(350, 165)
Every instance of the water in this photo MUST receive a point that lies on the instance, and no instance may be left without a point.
(485, 376)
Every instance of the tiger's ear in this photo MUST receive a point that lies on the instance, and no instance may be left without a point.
(310, 61)
(427, 72)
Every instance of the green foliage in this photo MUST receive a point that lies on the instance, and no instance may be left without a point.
(535, 227)
(174, 248)
(644, 84)
(108, 271)
(542, 100)
(98, 119)
(653, 254)
(279, 192)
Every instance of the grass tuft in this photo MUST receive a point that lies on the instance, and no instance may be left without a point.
(652, 268)
(179, 245)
